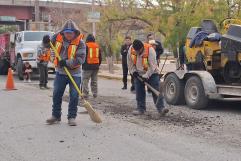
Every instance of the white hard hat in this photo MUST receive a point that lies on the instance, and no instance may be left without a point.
(153, 42)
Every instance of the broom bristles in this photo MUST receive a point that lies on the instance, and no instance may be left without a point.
(93, 114)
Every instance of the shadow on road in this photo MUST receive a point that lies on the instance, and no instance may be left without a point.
(225, 106)
(35, 77)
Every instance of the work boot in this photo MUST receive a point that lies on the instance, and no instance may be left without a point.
(95, 95)
(124, 87)
(41, 87)
(53, 120)
(46, 87)
(72, 122)
(163, 112)
(138, 112)
(132, 89)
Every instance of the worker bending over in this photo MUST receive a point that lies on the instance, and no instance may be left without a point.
(91, 66)
(72, 51)
(142, 63)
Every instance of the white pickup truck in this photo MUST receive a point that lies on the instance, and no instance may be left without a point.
(26, 44)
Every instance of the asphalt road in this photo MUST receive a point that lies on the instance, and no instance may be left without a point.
(213, 134)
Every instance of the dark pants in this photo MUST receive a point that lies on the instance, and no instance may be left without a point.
(125, 74)
(43, 78)
(60, 83)
(154, 81)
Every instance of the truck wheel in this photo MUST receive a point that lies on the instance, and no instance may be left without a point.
(195, 94)
(4, 65)
(174, 90)
(20, 69)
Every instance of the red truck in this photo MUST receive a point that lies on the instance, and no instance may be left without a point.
(7, 56)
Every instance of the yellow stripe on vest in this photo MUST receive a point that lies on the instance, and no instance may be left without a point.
(58, 44)
(73, 50)
(97, 52)
(91, 52)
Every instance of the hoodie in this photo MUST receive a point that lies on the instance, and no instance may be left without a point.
(80, 52)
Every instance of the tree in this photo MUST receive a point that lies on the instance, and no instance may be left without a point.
(171, 18)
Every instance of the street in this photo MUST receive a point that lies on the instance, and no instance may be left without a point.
(183, 135)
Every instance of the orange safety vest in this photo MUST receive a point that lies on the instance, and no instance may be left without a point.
(93, 53)
(71, 49)
(144, 56)
(45, 56)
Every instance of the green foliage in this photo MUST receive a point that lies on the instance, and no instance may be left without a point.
(171, 18)
(4, 29)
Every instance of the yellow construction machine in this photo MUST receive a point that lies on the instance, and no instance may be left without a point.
(220, 56)
(213, 60)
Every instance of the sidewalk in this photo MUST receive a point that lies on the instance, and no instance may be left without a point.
(104, 72)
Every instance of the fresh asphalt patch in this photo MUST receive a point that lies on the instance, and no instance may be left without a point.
(122, 108)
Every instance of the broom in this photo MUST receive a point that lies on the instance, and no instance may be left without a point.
(93, 114)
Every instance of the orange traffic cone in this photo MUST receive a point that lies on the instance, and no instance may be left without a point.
(10, 82)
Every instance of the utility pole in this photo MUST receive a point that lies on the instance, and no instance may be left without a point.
(36, 11)
(93, 23)
(49, 22)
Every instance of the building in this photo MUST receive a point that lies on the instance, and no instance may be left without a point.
(35, 14)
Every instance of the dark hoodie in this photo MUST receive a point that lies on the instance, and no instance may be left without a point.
(80, 52)
(86, 66)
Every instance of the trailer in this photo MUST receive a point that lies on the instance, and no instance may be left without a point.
(196, 88)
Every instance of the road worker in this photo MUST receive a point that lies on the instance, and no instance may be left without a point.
(142, 64)
(124, 52)
(158, 46)
(43, 58)
(72, 51)
(91, 66)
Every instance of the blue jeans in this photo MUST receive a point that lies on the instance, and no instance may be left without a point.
(154, 81)
(60, 83)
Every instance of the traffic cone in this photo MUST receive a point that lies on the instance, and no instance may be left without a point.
(10, 82)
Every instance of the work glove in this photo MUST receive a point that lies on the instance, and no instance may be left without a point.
(144, 78)
(46, 39)
(62, 63)
(135, 74)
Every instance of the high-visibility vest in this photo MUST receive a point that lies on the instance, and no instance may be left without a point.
(45, 56)
(144, 56)
(93, 53)
(71, 49)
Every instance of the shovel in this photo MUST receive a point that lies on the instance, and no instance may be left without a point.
(156, 92)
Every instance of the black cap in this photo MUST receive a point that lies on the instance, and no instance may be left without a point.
(46, 39)
(137, 45)
(90, 38)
